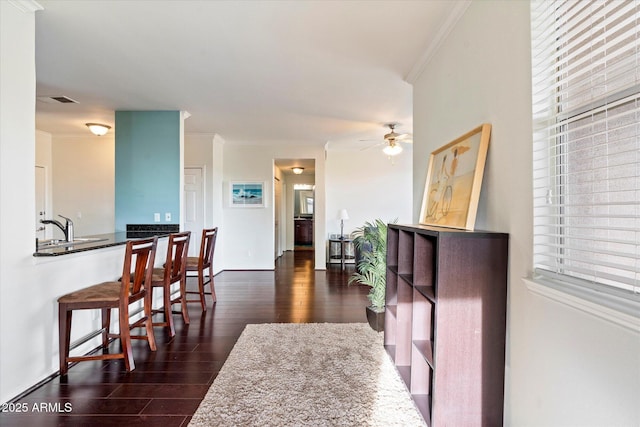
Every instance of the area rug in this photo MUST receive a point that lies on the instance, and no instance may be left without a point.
(314, 374)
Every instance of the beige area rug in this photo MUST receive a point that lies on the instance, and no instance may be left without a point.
(314, 374)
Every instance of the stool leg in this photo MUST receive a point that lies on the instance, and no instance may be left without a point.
(64, 332)
(168, 316)
(148, 322)
(183, 300)
(125, 340)
(211, 284)
(203, 302)
(106, 324)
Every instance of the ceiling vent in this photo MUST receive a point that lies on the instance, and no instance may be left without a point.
(56, 100)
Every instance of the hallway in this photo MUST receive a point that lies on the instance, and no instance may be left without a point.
(166, 387)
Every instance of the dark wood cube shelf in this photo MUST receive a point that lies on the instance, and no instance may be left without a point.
(445, 325)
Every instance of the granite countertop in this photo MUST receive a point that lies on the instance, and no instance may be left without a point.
(97, 241)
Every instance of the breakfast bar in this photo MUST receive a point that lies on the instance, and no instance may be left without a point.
(61, 267)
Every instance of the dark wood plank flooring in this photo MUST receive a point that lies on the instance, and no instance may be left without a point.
(167, 386)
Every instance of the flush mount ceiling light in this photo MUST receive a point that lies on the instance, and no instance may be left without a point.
(98, 129)
(297, 170)
(392, 149)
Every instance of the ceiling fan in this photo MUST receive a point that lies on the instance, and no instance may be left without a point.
(392, 141)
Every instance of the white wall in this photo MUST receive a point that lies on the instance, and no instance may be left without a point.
(280, 212)
(84, 182)
(198, 152)
(369, 185)
(249, 242)
(217, 212)
(564, 367)
(206, 151)
(17, 191)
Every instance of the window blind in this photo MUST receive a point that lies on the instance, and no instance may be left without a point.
(586, 142)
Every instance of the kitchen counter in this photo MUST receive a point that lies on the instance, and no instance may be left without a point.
(98, 241)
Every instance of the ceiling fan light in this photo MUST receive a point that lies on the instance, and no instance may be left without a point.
(392, 150)
(98, 129)
(391, 135)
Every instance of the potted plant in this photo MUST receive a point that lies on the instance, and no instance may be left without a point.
(371, 241)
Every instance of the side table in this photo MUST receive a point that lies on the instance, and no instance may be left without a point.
(343, 245)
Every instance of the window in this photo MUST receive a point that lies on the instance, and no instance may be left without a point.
(586, 141)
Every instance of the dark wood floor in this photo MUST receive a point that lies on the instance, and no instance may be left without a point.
(167, 385)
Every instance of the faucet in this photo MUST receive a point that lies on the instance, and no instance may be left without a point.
(67, 229)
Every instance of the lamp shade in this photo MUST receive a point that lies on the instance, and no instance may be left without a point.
(343, 215)
(98, 129)
(392, 149)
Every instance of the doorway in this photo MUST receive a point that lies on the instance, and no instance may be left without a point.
(193, 208)
(303, 216)
(277, 204)
(294, 206)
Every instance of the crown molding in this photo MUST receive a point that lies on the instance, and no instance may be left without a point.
(26, 5)
(452, 19)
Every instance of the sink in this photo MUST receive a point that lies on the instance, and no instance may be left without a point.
(88, 239)
(55, 243)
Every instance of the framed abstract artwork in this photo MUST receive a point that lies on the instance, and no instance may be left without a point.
(454, 179)
(246, 194)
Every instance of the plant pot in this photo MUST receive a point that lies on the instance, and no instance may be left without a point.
(375, 317)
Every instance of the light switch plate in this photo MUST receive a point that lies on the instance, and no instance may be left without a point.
(167, 216)
(156, 217)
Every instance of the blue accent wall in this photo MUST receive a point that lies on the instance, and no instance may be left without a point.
(147, 167)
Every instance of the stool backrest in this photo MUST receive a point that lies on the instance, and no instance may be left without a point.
(207, 247)
(175, 265)
(138, 269)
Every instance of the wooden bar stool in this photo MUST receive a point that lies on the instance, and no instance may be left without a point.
(202, 263)
(134, 285)
(174, 271)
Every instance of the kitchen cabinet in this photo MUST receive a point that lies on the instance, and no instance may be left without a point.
(303, 232)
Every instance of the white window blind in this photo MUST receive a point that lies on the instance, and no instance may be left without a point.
(586, 136)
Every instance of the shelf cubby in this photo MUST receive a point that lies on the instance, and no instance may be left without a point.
(390, 324)
(423, 403)
(421, 374)
(426, 291)
(404, 317)
(405, 249)
(422, 332)
(391, 295)
(424, 261)
(392, 249)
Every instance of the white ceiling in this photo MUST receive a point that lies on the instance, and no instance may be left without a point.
(254, 72)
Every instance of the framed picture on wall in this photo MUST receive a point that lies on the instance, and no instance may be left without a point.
(246, 194)
(454, 179)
